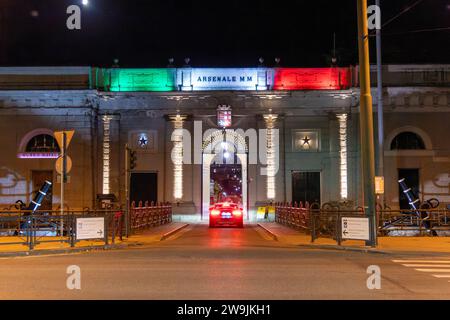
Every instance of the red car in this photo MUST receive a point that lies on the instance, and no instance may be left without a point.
(226, 214)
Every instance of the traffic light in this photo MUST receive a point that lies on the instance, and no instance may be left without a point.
(133, 159)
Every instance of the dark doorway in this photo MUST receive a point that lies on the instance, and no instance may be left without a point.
(306, 187)
(38, 179)
(226, 183)
(144, 187)
(411, 177)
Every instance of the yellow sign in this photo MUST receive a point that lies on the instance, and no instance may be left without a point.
(379, 185)
(261, 213)
(59, 165)
(59, 137)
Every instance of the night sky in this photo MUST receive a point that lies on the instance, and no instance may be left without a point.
(145, 33)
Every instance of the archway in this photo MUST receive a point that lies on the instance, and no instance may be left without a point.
(224, 147)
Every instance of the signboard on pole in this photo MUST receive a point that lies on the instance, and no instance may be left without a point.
(59, 137)
(379, 185)
(90, 228)
(355, 228)
(59, 165)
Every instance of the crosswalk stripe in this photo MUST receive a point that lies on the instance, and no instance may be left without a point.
(426, 265)
(421, 261)
(434, 270)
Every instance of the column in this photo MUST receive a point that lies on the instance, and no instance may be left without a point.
(106, 154)
(343, 167)
(271, 150)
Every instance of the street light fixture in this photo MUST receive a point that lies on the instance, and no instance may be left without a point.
(85, 2)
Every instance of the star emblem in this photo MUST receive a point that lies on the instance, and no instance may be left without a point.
(306, 140)
(143, 141)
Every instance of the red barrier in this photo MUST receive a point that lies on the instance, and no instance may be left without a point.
(294, 216)
(150, 215)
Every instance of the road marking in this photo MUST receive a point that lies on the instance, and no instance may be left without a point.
(421, 261)
(434, 270)
(426, 265)
(438, 268)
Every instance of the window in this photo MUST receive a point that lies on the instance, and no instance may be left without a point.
(407, 141)
(42, 143)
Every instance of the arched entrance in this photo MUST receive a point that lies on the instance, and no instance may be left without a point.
(227, 150)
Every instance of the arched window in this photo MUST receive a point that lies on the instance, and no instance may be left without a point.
(42, 143)
(407, 141)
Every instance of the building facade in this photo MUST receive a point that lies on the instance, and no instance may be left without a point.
(292, 134)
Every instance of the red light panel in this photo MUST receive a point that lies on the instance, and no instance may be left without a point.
(312, 79)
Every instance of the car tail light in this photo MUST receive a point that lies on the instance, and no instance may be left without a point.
(215, 212)
(237, 213)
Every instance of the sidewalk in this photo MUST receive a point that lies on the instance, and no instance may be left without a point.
(386, 245)
(143, 238)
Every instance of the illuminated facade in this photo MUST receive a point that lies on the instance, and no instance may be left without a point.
(310, 151)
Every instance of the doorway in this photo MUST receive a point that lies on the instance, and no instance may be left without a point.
(412, 180)
(38, 178)
(143, 187)
(306, 187)
(226, 183)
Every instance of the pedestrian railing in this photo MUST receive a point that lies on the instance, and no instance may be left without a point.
(21, 227)
(149, 215)
(423, 221)
(295, 215)
(326, 221)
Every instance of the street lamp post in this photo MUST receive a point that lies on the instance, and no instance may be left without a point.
(380, 111)
(366, 122)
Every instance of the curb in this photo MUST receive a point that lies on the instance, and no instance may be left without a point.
(325, 246)
(61, 251)
(271, 234)
(86, 249)
(172, 232)
(343, 248)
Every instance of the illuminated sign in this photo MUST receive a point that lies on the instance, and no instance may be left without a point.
(140, 79)
(312, 79)
(198, 79)
(216, 79)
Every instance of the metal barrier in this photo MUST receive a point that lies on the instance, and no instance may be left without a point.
(33, 228)
(326, 221)
(424, 221)
(296, 216)
(149, 215)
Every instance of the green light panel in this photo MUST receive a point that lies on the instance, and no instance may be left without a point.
(141, 79)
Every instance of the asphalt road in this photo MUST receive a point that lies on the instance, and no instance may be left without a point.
(203, 263)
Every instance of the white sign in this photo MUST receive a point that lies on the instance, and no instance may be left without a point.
(90, 228)
(223, 79)
(355, 228)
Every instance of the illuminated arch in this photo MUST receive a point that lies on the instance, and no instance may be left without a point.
(210, 143)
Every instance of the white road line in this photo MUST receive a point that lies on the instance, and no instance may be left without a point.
(426, 265)
(421, 261)
(434, 270)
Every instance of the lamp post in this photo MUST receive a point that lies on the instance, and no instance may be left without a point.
(366, 122)
(380, 111)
